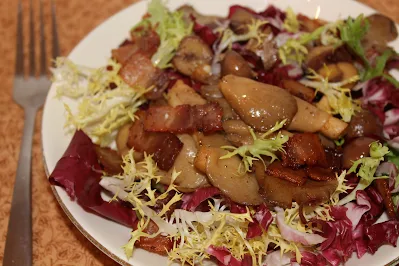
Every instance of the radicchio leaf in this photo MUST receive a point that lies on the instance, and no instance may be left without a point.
(79, 172)
(262, 219)
(356, 210)
(192, 200)
(382, 233)
(291, 234)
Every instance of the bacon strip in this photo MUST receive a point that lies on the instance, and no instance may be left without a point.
(298, 177)
(184, 118)
(383, 189)
(320, 174)
(164, 146)
(304, 149)
(159, 244)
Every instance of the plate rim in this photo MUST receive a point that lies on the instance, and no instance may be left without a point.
(65, 209)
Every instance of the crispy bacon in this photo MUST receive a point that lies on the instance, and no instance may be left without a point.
(276, 169)
(383, 189)
(139, 70)
(164, 146)
(146, 44)
(320, 174)
(159, 244)
(304, 149)
(184, 118)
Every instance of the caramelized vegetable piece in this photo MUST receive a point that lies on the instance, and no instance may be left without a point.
(193, 58)
(109, 159)
(348, 71)
(299, 90)
(259, 105)
(233, 63)
(304, 149)
(189, 178)
(223, 174)
(181, 94)
(382, 30)
(279, 192)
(383, 188)
(356, 149)
(297, 177)
(138, 70)
(164, 146)
(364, 124)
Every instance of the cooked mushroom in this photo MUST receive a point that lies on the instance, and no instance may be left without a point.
(382, 30)
(233, 63)
(193, 58)
(324, 55)
(181, 94)
(339, 72)
(223, 174)
(189, 178)
(364, 124)
(248, 98)
(299, 90)
(240, 19)
(210, 21)
(109, 159)
(309, 118)
(356, 149)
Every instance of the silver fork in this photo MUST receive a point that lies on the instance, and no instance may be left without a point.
(30, 94)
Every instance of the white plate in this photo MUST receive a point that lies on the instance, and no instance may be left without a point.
(94, 50)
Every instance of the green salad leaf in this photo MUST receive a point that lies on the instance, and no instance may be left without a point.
(291, 23)
(261, 146)
(100, 110)
(352, 33)
(339, 98)
(365, 169)
(171, 28)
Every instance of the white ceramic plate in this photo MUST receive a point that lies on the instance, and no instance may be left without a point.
(94, 50)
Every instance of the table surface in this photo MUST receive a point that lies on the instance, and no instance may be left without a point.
(56, 240)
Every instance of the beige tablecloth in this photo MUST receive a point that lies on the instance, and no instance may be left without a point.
(56, 240)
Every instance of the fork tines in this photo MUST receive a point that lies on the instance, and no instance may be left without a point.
(19, 69)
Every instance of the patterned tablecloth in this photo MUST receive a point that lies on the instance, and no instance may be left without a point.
(56, 240)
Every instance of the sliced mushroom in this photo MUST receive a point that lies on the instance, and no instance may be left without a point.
(193, 58)
(309, 118)
(109, 159)
(233, 63)
(364, 124)
(356, 149)
(259, 105)
(223, 174)
(382, 30)
(324, 55)
(298, 89)
(210, 21)
(339, 72)
(189, 178)
(181, 94)
(240, 19)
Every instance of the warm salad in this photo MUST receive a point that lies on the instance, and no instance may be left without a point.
(260, 138)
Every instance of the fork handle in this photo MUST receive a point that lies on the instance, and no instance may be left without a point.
(18, 249)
